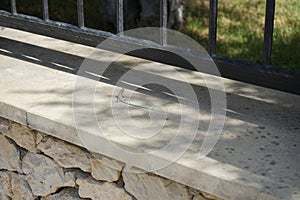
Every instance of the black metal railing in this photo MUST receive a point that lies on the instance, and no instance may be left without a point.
(263, 75)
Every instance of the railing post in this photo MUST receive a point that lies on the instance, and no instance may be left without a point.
(163, 22)
(45, 10)
(213, 16)
(120, 17)
(80, 12)
(13, 7)
(268, 33)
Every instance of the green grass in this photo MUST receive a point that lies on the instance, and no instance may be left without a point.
(241, 28)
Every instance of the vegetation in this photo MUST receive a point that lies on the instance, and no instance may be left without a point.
(241, 28)
(240, 25)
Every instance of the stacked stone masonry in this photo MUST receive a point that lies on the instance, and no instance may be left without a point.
(34, 165)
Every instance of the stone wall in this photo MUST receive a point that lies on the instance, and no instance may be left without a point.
(34, 165)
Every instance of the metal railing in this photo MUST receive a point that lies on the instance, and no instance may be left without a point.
(263, 75)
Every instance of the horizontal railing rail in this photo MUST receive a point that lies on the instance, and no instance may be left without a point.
(258, 74)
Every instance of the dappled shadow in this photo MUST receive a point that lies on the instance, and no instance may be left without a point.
(261, 133)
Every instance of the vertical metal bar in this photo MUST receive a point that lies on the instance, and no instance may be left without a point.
(120, 17)
(45, 10)
(213, 16)
(163, 22)
(13, 7)
(268, 34)
(80, 13)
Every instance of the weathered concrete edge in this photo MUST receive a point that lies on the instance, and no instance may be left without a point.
(190, 177)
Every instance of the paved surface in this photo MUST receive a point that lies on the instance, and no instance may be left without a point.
(256, 157)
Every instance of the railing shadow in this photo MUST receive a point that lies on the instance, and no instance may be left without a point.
(254, 116)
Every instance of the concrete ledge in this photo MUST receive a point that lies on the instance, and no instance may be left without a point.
(256, 157)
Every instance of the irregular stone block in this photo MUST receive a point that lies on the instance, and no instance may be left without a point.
(19, 188)
(9, 155)
(199, 197)
(210, 196)
(5, 191)
(65, 194)
(39, 137)
(145, 186)
(44, 175)
(90, 188)
(13, 186)
(23, 136)
(65, 154)
(5, 125)
(106, 169)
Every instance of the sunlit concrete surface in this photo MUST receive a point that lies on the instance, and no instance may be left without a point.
(256, 157)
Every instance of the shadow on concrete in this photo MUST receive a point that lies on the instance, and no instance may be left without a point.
(258, 127)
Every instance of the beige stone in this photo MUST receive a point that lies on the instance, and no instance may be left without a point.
(106, 169)
(210, 196)
(5, 125)
(65, 154)
(23, 136)
(9, 155)
(4, 185)
(195, 194)
(199, 197)
(19, 188)
(96, 190)
(65, 194)
(44, 175)
(13, 186)
(39, 137)
(145, 186)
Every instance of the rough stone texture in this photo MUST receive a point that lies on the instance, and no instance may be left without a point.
(9, 155)
(5, 125)
(144, 186)
(20, 188)
(106, 169)
(65, 194)
(198, 197)
(23, 136)
(39, 137)
(44, 175)
(13, 186)
(90, 188)
(65, 154)
(209, 196)
(4, 186)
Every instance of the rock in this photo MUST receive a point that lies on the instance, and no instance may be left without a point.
(90, 188)
(199, 197)
(144, 186)
(210, 196)
(65, 194)
(13, 186)
(44, 175)
(65, 154)
(9, 155)
(5, 191)
(106, 169)
(39, 137)
(5, 125)
(23, 136)
(19, 188)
